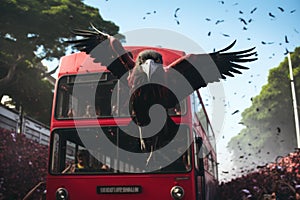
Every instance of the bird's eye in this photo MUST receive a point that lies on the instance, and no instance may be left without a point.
(157, 61)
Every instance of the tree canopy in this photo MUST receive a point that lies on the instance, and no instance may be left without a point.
(269, 122)
(34, 30)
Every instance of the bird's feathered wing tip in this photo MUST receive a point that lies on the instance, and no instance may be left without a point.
(98, 31)
(227, 61)
(110, 54)
(91, 38)
(227, 48)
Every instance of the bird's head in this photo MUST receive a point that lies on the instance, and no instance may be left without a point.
(150, 61)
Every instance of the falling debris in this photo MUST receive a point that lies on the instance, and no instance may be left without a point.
(242, 20)
(281, 9)
(271, 15)
(235, 112)
(278, 130)
(252, 11)
(219, 21)
(175, 13)
(226, 35)
(176, 16)
(286, 51)
(286, 39)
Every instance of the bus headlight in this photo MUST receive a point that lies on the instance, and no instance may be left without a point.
(62, 194)
(177, 192)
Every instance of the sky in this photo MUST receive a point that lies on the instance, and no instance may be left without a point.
(270, 26)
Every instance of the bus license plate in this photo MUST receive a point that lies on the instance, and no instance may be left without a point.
(119, 189)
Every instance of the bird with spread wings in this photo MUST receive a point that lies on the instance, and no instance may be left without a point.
(152, 83)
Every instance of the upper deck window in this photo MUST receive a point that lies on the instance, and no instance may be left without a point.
(96, 95)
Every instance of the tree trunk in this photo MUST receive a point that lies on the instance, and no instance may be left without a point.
(4, 82)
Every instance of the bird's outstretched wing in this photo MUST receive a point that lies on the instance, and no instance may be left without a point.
(200, 69)
(227, 63)
(91, 39)
(105, 49)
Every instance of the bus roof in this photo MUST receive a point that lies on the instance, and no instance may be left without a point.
(82, 63)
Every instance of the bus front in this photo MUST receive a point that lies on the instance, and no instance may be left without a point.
(96, 149)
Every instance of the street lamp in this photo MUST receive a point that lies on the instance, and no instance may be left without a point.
(294, 100)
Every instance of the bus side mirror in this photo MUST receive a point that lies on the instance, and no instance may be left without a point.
(199, 141)
(200, 169)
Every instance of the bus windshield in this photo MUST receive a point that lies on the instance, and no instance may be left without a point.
(99, 150)
(96, 95)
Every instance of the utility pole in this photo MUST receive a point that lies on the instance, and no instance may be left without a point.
(294, 100)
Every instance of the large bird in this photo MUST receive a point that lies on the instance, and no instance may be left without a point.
(152, 83)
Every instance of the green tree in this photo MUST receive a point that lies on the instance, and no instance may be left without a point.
(34, 30)
(269, 121)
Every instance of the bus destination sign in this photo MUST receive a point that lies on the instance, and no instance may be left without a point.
(132, 189)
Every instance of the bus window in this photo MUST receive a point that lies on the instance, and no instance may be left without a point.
(211, 137)
(96, 95)
(84, 96)
(106, 146)
(205, 155)
(202, 118)
(199, 112)
(212, 165)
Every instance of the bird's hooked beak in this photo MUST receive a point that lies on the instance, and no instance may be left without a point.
(149, 67)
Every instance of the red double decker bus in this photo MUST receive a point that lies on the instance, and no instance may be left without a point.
(95, 151)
